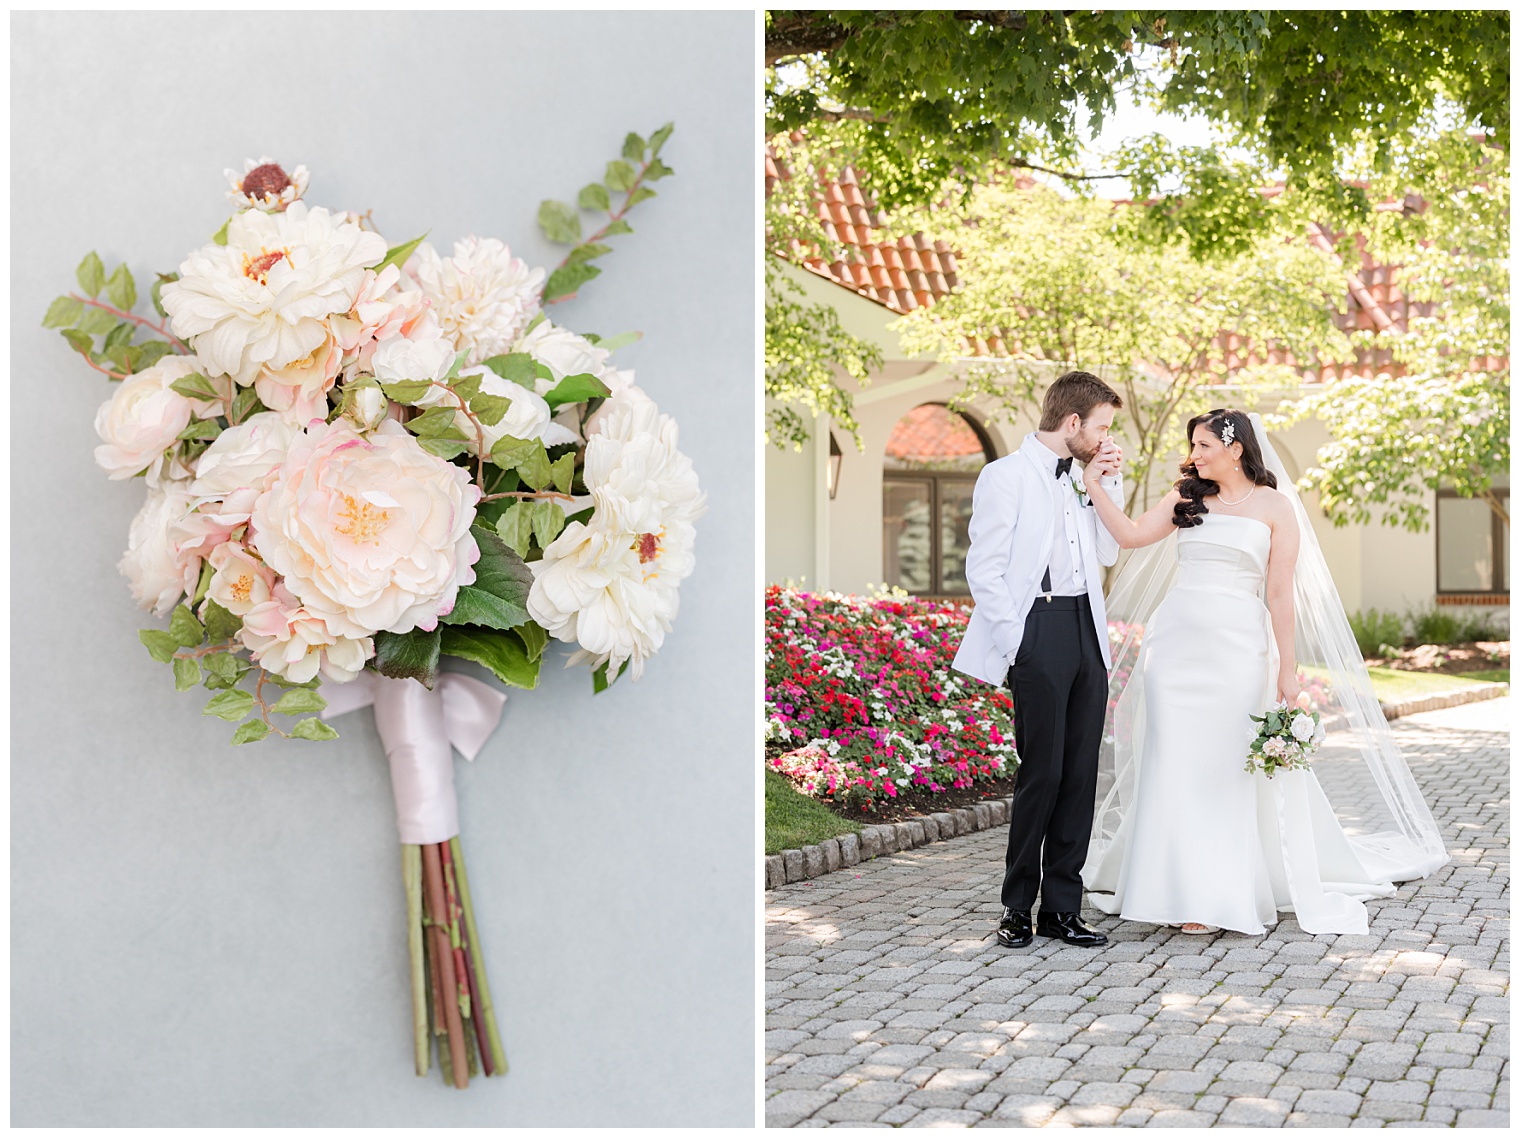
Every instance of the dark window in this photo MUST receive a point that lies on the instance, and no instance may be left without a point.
(1471, 543)
(932, 460)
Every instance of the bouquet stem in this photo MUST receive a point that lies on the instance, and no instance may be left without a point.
(484, 1011)
(433, 893)
(411, 872)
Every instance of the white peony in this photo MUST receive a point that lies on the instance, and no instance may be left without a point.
(370, 532)
(1319, 734)
(144, 417)
(294, 643)
(1302, 727)
(428, 359)
(240, 462)
(528, 417)
(153, 564)
(482, 295)
(263, 299)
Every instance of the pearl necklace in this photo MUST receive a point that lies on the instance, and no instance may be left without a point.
(1226, 502)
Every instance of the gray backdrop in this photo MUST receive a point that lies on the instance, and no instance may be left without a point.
(209, 935)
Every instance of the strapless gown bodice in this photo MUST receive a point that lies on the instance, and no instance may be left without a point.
(1228, 552)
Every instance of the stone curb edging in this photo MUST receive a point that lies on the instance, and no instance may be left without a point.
(790, 866)
(1456, 698)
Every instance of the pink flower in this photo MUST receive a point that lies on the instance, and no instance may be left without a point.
(297, 391)
(241, 582)
(290, 641)
(145, 417)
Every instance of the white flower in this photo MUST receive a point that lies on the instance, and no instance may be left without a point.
(144, 417)
(528, 417)
(365, 405)
(157, 571)
(292, 642)
(565, 353)
(1319, 734)
(634, 470)
(240, 581)
(1303, 727)
(240, 462)
(298, 391)
(263, 299)
(1275, 747)
(370, 533)
(428, 359)
(482, 295)
(263, 184)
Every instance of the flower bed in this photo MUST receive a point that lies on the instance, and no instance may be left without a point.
(861, 702)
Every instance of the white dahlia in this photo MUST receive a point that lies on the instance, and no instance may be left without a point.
(263, 184)
(370, 532)
(634, 471)
(264, 299)
(482, 295)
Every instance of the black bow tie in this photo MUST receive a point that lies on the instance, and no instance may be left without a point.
(1063, 466)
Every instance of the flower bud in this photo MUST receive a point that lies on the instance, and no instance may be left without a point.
(365, 405)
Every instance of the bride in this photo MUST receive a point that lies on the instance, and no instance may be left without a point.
(1217, 615)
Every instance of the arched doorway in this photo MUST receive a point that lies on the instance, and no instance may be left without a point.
(933, 457)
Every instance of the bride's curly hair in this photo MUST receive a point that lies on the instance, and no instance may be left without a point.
(1190, 511)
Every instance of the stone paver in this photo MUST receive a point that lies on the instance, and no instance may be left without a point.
(889, 1003)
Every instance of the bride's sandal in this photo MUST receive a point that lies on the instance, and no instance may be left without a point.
(1192, 928)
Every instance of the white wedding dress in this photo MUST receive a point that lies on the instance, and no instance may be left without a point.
(1202, 840)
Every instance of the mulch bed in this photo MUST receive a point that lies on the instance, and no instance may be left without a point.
(1448, 659)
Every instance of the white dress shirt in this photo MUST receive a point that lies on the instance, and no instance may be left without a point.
(1066, 577)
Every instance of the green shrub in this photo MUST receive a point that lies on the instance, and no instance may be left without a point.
(1433, 626)
(1374, 628)
(1483, 626)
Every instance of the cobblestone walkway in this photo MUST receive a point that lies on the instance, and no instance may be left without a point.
(889, 1003)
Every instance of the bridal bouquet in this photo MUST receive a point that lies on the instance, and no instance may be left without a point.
(360, 458)
(1286, 739)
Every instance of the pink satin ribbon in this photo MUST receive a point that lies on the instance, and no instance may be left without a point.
(417, 727)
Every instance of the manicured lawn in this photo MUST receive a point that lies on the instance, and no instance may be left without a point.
(794, 820)
(1392, 684)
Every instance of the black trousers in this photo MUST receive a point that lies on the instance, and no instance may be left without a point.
(1060, 691)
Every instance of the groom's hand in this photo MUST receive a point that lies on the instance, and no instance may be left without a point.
(1108, 460)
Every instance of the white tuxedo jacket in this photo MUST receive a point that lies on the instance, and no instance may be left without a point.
(1013, 527)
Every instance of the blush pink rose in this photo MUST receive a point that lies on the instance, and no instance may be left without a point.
(290, 641)
(144, 418)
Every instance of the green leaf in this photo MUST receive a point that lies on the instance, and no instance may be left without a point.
(621, 340)
(151, 352)
(407, 391)
(160, 644)
(534, 638)
(222, 670)
(220, 236)
(397, 254)
(501, 652)
(489, 409)
(502, 572)
(244, 403)
(657, 139)
(515, 528)
(445, 449)
(508, 452)
(187, 673)
(186, 630)
(466, 387)
(534, 470)
(201, 429)
(599, 680)
(95, 321)
(562, 471)
(63, 312)
(91, 275)
(633, 148)
(79, 341)
(567, 280)
(298, 701)
(588, 252)
(582, 516)
(408, 656)
(548, 520)
(250, 732)
(118, 337)
(221, 625)
(155, 294)
(560, 222)
(576, 389)
(230, 705)
(436, 423)
(641, 194)
(195, 387)
(594, 196)
(122, 289)
(656, 171)
(616, 227)
(313, 729)
(620, 175)
(519, 368)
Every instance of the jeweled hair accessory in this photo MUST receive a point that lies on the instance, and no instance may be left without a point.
(1227, 436)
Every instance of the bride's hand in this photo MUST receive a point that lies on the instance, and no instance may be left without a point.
(1288, 688)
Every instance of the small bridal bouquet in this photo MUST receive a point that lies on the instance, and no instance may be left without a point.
(1286, 739)
(361, 457)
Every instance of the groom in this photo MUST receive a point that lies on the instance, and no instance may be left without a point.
(1035, 572)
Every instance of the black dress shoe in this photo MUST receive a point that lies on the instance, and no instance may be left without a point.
(1015, 929)
(1069, 927)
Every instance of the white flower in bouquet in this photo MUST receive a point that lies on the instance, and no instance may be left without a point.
(1319, 734)
(153, 564)
(240, 462)
(565, 353)
(528, 417)
(1274, 747)
(370, 532)
(1303, 727)
(381, 311)
(365, 405)
(482, 295)
(145, 416)
(294, 643)
(634, 470)
(298, 391)
(264, 298)
(264, 184)
(239, 581)
(427, 358)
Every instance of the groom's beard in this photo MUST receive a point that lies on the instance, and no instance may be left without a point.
(1081, 450)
